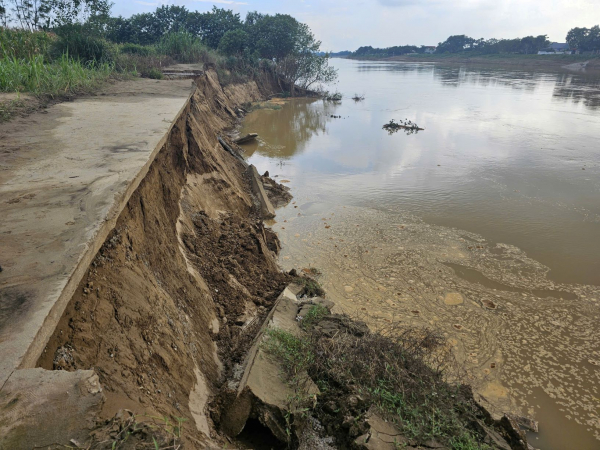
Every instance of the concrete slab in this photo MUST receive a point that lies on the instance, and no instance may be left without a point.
(65, 176)
(41, 408)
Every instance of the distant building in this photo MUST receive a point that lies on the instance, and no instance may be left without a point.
(430, 49)
(556, 48)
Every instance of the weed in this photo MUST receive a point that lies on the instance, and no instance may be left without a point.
(314, 315)
(293, 352)
(312, 288)
(9, 108)
(332, 96)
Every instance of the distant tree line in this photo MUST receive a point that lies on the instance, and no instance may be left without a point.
(369, 51)
(584, 39)
(581, 39)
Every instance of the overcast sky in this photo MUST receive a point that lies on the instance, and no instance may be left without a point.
(349, 24)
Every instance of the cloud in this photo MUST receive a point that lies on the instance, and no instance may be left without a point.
(400, 3)
(222, 2)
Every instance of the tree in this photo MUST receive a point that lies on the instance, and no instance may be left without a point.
(577, 38)
(303, 66)
(455, 44)
(212, 26)
(3, 14)
(233, 42)
(272, 37)
(31, 14)
(69, 12)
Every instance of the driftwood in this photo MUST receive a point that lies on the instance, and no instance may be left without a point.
(245, 139)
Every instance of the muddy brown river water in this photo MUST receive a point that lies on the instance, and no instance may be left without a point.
(486, 225)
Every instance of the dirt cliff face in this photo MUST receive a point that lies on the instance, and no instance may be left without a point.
(169, 303)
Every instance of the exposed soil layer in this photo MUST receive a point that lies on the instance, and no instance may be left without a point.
(187, 268)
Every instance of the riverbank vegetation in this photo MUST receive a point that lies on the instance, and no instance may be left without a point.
(56, 48)
(579, 40)
(397, 374)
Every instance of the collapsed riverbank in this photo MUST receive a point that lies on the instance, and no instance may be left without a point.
(163, 318)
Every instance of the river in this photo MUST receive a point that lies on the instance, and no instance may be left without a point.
(485, 225)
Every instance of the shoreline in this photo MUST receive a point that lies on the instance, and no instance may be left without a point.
(554, 62)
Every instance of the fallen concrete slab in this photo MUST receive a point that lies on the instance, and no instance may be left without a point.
(65, 176)
(261, 391)
(266, 208)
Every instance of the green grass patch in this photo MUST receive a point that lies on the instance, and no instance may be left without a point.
(64, 77)
(293, 352)
(314, 315)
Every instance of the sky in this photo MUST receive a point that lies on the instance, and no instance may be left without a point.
(349, 24)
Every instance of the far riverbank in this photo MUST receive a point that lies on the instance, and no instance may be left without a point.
(573, 62)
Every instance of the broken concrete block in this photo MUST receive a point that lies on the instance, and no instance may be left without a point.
(266, 208)
(262, 392)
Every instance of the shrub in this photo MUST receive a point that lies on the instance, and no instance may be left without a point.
(137, 49)
(25, 44)
(86, 48)
(155, 74)
(183, 47)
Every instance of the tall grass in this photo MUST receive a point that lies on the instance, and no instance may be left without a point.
(24, 43)
(185, 48)
(66, 76)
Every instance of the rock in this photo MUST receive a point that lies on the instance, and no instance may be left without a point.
(266, 174)
(323, 302)
(516, 438)
(335, 323)
(527, 423)
(293, 273)
(381, 436)
(453, 299)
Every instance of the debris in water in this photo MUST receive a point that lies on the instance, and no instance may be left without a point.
(245, 139)
(358, 98)
(408, 126)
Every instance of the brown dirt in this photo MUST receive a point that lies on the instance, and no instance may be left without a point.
(187, 258)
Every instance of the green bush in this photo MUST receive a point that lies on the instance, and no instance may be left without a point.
(155, 74)
(87, 48)
(183, 47)
(137, 49)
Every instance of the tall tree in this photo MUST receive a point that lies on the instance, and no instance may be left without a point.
(213, 25)
(68, 12)
(31, 14)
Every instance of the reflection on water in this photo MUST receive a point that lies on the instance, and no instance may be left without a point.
(511, 158)
(574, 87)
(301, 119)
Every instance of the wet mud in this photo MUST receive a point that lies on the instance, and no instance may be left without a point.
(519, 338)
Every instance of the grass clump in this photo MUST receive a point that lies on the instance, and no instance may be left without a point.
(312, 288)
(293, 352)
(314, 315)
(398, 373)
(67, 76)
(9, 108)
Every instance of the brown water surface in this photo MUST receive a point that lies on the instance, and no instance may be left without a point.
(486, 225)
